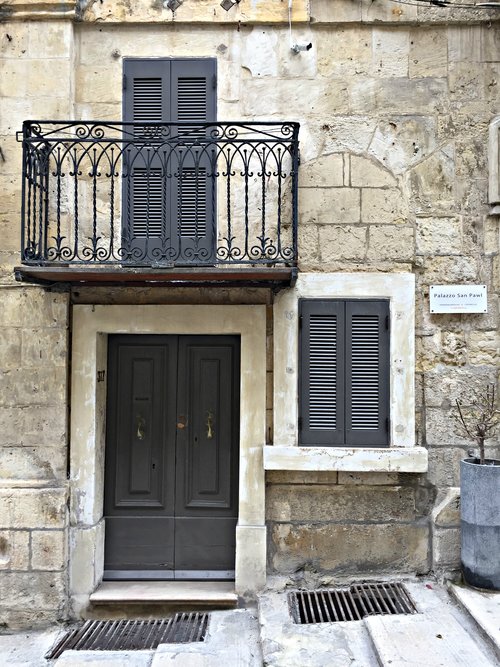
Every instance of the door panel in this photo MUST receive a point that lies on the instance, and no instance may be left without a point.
(171, 455)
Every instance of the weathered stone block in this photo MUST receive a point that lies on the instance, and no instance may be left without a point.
(464, 43)
(450, 270)
(326, 171)
(33, 306)
(428, 53)
(323, 97)
(314, 504)
(491, 236)
(48, 550)
(44, 386)
(351, 133)
(484, 348)
(10, 347)
(14, 549)
(44, 348)
(32, 590)
(381, 205)
(391, 242)
(329, 205)
(444, 385)
(345, 11)
(390, 51)
(11, 426)
(50, 39)
(301, 477)
(33, 463)
(45, 425)
(446, 548)
(402, 141)
(432, 183)
(102, 83)
(369, 478)
(351, 549)
(446, 512)
(308, 244)
(442, 430)
(438, 236)
(444, 465)
(422, 96)
(366, 173)
(33, 508)
(344, 242)
(14, 41)
(345, 51)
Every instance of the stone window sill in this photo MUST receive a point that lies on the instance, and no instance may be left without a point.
(359, 459)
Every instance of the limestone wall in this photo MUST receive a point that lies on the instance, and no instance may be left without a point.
(394, 103)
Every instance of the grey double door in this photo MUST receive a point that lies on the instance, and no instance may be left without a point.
(172, 450)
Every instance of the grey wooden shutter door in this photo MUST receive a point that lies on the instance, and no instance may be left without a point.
(171, 195)
(322, 372)
(194, 101)
(367, 373)
(344, 367)
(146, 98)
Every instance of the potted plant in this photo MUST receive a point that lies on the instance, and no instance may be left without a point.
(478, 419)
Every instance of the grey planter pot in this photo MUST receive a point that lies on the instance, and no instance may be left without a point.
(480, 522)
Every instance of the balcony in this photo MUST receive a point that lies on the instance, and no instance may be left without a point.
(111, 202)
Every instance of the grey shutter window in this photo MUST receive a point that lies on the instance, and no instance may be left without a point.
(169, 197)
(367, 373)
(344, 383)
(322, 370)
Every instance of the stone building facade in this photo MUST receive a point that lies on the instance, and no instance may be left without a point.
(395, 102)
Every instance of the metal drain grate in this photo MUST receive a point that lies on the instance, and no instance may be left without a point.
(133, 635)
(349, 604)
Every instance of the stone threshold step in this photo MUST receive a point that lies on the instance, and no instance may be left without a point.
(483, 607)
(400, 641)
(201, 593)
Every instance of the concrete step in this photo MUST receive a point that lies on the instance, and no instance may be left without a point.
(484, 609)
(400, 641)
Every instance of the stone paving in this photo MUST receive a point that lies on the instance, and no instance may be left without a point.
(457, 630)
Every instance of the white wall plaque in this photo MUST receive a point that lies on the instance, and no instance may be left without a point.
(458, 299)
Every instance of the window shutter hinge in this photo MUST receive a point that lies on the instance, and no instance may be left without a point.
(124, 83)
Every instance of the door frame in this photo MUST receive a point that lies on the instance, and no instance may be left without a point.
(91, 326)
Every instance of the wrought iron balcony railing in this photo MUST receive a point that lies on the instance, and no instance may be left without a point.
(159, 195)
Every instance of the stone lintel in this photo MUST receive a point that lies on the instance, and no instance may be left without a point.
(365, 459)
(25, 10)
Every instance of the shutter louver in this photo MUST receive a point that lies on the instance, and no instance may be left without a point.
(322, 364)
(193, 202)
(365, 372)
(147, 210)
(147, 99)
(322, 372)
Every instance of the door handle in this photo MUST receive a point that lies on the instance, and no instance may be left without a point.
(210, 425)
(141, 424)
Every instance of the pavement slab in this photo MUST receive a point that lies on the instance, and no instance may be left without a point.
(484, 608)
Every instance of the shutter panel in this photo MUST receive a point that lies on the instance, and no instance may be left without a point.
(367, 373)
(322, 372)
(194, 100)
(146, 99)
(171, 197)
